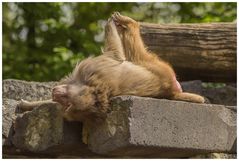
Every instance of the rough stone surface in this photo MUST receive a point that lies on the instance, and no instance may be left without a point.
(13, 91)
(71, 146)
(39, 129)
(215, 156)
(225, 95)
(149, 127)
(192, 86)
(31, 91)
(63, 140)
(9, 116)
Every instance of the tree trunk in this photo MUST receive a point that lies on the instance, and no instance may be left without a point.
(196, 51)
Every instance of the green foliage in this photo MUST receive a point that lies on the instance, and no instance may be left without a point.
(213, 85)
(43, 41)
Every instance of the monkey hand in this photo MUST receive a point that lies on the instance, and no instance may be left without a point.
(24, 105)
(110, 27)
(122, 21)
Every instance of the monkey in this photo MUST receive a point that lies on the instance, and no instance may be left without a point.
(136, 52)
(124, 68)
(121, 70)
(85, 93)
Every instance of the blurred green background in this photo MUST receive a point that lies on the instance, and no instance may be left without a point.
(43, 41)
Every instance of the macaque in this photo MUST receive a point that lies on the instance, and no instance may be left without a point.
(124, 68)
(135, 52)
(87, 90)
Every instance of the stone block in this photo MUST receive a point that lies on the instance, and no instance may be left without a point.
(39, 129)
(147, 127)
(31, 91)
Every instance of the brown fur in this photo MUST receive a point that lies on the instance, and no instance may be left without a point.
(122, 69)
(136, 52)
(86, 91)
(108, 75)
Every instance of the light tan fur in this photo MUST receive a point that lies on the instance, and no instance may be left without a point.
(136, 52)
(95, 80)
(122, 69)
(110, 75)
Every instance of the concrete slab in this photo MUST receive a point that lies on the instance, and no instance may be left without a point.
(39, 129)
(149, 127)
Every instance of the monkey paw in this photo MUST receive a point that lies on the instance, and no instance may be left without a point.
(23, 105)
(121, 20)
(110, 27)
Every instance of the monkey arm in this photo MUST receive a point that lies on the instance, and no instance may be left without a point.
(113, 46)
(28, 106)
(129, 32)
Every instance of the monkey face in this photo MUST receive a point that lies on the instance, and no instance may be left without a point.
(74, 97)
(59, 94)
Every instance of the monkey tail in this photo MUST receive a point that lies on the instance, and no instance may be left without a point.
(189, 97)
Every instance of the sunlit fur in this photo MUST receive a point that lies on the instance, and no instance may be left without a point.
(136, 52)
(108, 75)
(122, 69)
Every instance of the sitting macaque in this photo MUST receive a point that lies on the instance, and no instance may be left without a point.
(124, 68)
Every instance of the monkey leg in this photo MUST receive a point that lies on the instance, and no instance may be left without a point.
(189, 97)
(113, 46)
(28, 106)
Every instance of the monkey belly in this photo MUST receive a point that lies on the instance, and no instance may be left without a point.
(137, 80)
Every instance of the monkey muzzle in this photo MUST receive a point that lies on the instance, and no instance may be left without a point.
(60, 95)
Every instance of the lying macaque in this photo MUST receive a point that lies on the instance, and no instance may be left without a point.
(135, 51)
(124, 68)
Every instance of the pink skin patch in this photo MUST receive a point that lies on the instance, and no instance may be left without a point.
(59, 94)
(176, 85)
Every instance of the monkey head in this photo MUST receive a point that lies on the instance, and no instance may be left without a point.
(74, 97)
